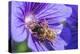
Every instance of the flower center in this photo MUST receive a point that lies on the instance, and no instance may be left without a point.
(29, 21)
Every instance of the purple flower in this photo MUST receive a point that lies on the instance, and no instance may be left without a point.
(55, 15)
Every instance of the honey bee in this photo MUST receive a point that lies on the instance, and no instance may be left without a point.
(41, 30)
(44, 32)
